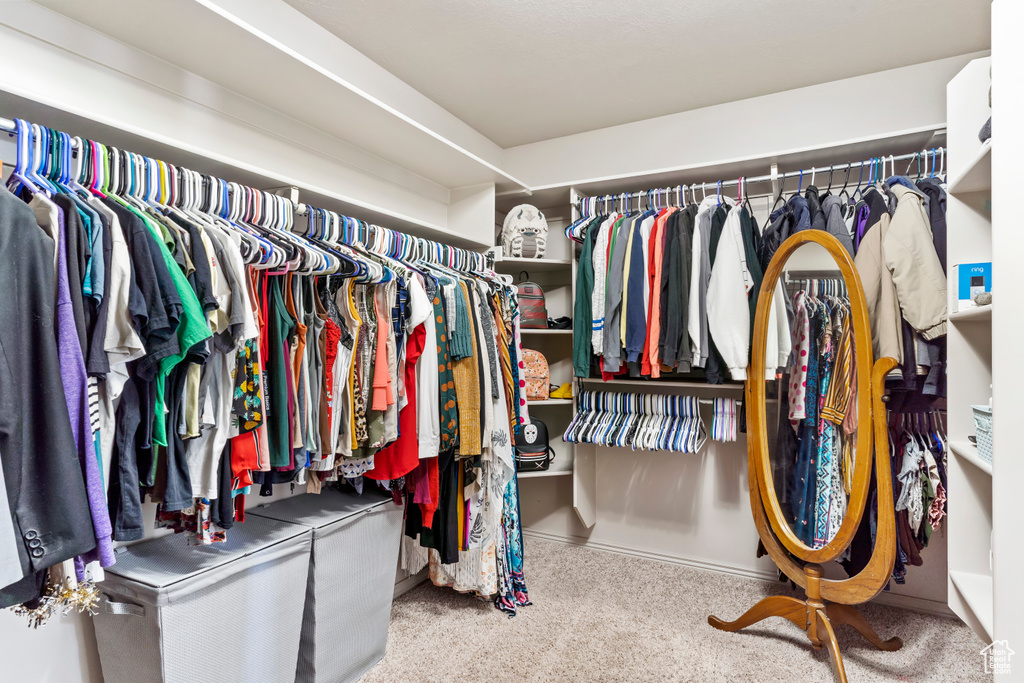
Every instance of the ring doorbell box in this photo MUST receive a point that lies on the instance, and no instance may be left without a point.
(971, 279)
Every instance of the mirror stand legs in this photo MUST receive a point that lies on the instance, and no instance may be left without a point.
(816, 618)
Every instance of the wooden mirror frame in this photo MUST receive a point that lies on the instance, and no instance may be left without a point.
(799, 562)
(758, 451)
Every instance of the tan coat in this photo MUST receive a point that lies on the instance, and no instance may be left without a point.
(916, 272)
(880, 292)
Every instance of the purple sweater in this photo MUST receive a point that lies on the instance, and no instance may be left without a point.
(72, 374)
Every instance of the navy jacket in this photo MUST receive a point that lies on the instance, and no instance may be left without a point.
(42, 474)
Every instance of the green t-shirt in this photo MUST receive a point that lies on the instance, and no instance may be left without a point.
(281, 327)
(193, 328)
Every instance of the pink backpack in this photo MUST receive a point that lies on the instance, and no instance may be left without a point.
(536, 374)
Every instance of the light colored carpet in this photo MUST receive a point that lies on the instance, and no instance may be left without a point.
(603, 617)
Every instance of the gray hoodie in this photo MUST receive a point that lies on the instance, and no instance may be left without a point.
(613, 298)
(832, 206)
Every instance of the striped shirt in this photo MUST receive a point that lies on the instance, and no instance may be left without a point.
(838, 397)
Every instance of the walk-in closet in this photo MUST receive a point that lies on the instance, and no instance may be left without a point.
(509, 341)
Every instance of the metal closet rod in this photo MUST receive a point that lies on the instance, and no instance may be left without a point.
(8, 126)
(722, 184)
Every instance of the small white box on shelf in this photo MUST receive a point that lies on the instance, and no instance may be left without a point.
(983, 431)
(970, 279)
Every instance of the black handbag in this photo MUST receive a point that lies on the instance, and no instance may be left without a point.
(533, 452)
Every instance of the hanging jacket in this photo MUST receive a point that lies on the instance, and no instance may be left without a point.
(45, 490)
(815, 208)
(780, 343)
(715, 368)
(613, 295)
(879, 290)
(801, 219)
(670, 260)
(675, 341)
(916, 272)
(728, 304)
(634, 320)
(700, 276)
(581, 334)
(936, 215)
(775, 233)
(832, 209)
(750, 233)
(599, 263)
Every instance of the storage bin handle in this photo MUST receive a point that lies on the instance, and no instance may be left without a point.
(126, 608)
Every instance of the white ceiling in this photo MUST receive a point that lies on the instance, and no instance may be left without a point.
(520, 71)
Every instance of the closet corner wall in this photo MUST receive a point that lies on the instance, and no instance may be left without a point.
(969, 335)
(985, 549)
(556, 274)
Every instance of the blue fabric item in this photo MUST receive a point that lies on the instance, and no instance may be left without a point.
(805, 475)
(900, 180)
(826, 457)
(512, 592)
(398, 313)
(801, 214)
(636, 320)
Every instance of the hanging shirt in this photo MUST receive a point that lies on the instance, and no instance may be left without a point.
(421, 312)
(728, 302)
(600, 270)
(466, 372)
(73, 376)
(447, 399)
(613, 296)
(582, 333)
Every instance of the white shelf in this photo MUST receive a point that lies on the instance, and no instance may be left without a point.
(538, 265)
(976, 590)
(526, 330)
(969, 452)
(972, 233)
(665, 383)
(974, 314)
(551, 402)
(977, 176)
(548, 473)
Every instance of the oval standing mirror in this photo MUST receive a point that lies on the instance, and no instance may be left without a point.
(810, 455)
(809, 450)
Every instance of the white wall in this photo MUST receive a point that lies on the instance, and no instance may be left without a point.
(870, 107)
(98, 86)
(679, 507)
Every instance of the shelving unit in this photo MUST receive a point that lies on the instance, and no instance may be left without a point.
(970, 232)
(969, 452)
(543, 331)
(976, 591)
(547, 473)
(675, 383)
(976, 314)
(544, 265)
(1003, 514)
(977, 175)
(555, 273)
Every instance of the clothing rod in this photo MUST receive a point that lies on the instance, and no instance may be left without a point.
(701, 401)
(714, 186)
(792, 275)
(8, 126)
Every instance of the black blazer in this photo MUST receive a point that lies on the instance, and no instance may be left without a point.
(42, 473)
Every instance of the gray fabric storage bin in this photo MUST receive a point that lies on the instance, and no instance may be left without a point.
(351, 579)
(178, 613)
